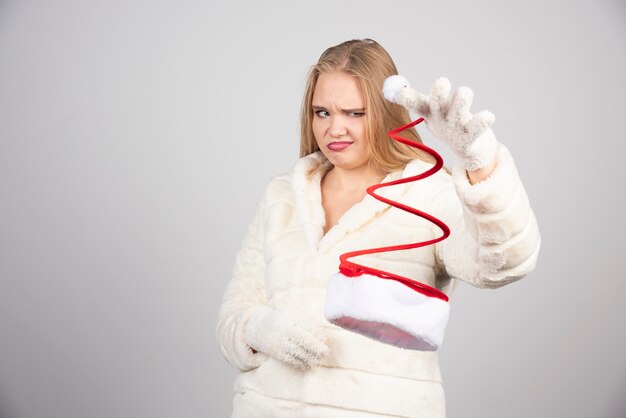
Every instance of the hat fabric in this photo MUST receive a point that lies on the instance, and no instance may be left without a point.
(386, 310)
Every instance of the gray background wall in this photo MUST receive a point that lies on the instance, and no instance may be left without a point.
(136, 137)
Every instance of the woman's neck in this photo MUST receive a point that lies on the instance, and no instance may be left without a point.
(354, 180)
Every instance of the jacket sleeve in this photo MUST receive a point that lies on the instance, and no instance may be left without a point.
(494, 236)
(244, 296)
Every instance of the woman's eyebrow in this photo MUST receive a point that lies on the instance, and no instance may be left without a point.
(359, 109)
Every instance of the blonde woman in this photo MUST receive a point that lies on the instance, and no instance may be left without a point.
(271, 326)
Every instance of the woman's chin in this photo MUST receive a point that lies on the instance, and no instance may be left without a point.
(344, 161)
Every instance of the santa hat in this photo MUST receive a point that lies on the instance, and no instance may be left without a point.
(381, 305)
(386, 310)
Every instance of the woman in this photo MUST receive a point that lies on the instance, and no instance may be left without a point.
(294, 363)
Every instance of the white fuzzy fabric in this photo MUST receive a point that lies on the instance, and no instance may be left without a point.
(386, 311)
(286, 260)
(448, 117)
(392, 87)
(287, 336)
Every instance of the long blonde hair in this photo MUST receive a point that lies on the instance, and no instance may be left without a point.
(370, 64)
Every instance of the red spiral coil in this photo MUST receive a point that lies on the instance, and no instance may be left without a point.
(351, 269)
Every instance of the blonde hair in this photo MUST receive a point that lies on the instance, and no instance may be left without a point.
(370, 64)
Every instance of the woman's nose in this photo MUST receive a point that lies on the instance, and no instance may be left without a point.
(337, 127)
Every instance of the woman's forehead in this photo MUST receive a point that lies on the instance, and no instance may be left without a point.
(339, 89)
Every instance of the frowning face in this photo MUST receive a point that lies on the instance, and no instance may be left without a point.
(339, 120)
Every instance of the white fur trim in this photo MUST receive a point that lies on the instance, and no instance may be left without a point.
(392, 87)
(494, 193)
(307, 198)
(386, 310)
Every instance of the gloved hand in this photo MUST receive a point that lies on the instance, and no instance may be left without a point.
(449, 119)
(286, 336)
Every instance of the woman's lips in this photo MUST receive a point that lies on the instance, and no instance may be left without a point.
(338, 145)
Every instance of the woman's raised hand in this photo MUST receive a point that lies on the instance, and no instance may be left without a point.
(449, 119)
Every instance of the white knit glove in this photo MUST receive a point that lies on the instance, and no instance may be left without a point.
(449, 119)
(286, 336)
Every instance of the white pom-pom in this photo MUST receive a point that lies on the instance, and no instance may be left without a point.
(393, 85)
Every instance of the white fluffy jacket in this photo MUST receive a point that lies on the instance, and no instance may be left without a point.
(286, 260)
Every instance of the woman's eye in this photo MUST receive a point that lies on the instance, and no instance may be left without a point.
(357, 114)
(322, 113)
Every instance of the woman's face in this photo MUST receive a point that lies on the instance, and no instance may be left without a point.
(339, 120)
